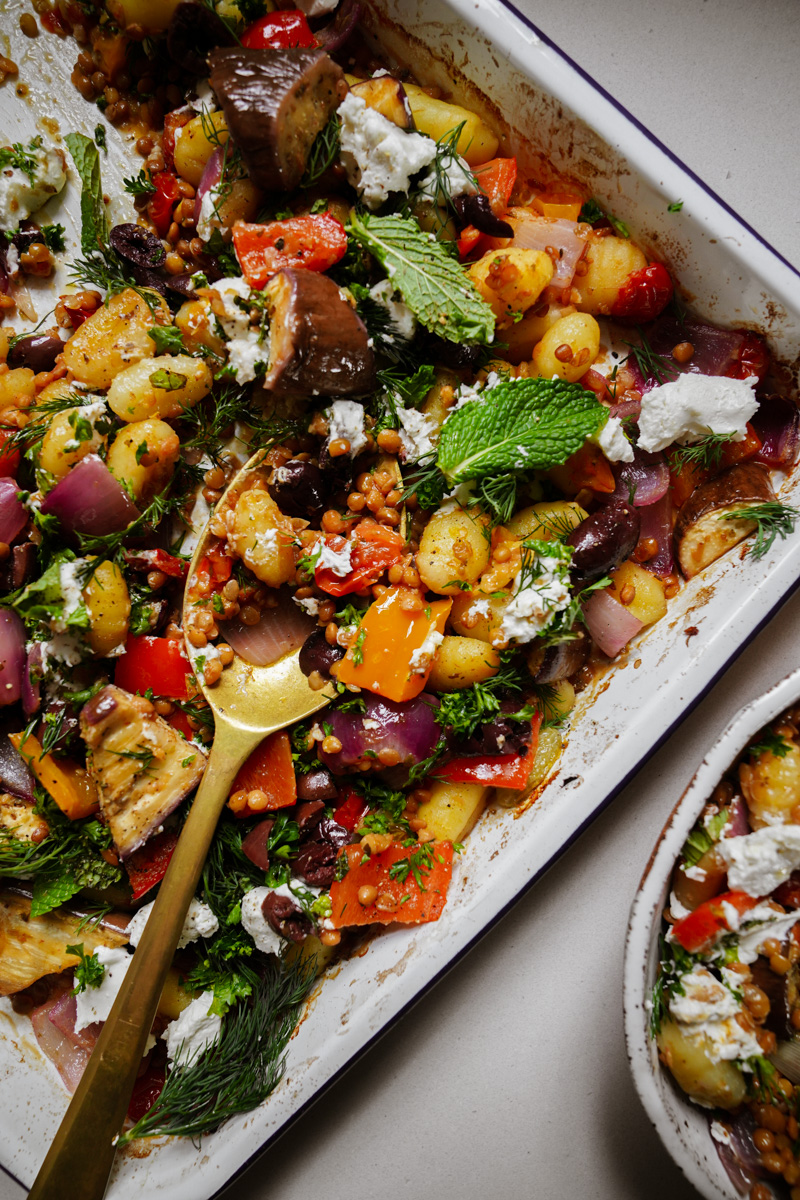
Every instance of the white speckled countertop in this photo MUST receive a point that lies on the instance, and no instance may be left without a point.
(510, 1078)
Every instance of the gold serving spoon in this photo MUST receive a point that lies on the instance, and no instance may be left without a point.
(248, 703)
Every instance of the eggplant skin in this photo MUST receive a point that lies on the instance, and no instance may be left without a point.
(701, 534)
(318, 344)
(142, 767)
(275, 103)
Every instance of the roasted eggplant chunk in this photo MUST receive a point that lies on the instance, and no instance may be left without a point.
(143, 768)
(703, 531)
(20, 818)
(318, 344)
(275, 103)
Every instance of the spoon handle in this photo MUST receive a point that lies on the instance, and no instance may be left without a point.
(79, 1161)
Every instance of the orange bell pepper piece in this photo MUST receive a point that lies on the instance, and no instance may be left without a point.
(496, 179)
(315, 242)
(587, 468)
(70, 785)
(269, 769)
(563, 205)
(380, 659)
(395, 874)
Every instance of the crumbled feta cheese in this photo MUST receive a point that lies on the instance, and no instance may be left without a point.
(452, 176)
(338, 561)
(206, 101)
(345, 635)
(759, 925)
(346, 422)
(71, 591)
(19, 197)
(194, 1030)
(709, 1010)
(612, 441)
(379, 157)
(208, 219)
(370, 723)
(267, 540)
(535, 605)
(256, 924)
(422, 658)
(696, 873)
(479, 608)
(245, 351)
(677, 909)
(720, 1133)
(12, 259)
(309, 604)
(758, 862)
(200, 922)
(404, 323)
(416, 433)
(64, 647)
(693, 406)
(95, 1003)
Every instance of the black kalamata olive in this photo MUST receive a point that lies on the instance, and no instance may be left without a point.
(603, 541)
(193, 32)
(558, 662)
(476, 210)
(316, 785)
(298, 488)
(316, 654)
(136, 245)
(454, 355)
(38, 351)
(286, 917)
(309, 814)
(332, 832)
(498, 736)
(336, 469)
(316, 864)
(256, 845)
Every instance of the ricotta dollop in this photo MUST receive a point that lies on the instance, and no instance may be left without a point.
(693, 406)
(379, 157)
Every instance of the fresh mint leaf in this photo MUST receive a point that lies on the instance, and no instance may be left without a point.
(51, 892)
(518, 425)
(433, 284)
(94, 223)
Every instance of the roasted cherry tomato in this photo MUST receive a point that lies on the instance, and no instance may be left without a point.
(279, 31)
(374, 549)
(753, 359)
(351, 811)
(162, 203)
(700, 930)
(644, 294)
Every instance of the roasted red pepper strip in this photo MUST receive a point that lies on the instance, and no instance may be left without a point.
(269, 769)
(499, 770)
(644, 294)
(374, 549)
(157, 560)
(148, 866)
(395, 874)
(154, 662)
(280, 31)
(700, 930)
(315, 242)
(9, 459)
(351, 811)
(496, 179)
(160, 206)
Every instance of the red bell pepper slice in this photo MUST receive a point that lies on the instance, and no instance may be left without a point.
(148, 866)
(157, 560)
(9, 459)
(315, 242)
(497, 770)
(160, 205)
(496, 179)
(149, 1084)
(270, 769)
(753, 358)
(644, 294)
(399, 895)
(154, 662)
(280, 31)
(351, 812)
(374, 549)
(700, 930)
(468, 239)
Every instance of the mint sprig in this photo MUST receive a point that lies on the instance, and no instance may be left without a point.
(435, 286)
(94, 223)
(518, 425)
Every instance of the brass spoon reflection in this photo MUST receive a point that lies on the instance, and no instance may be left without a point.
(248, 703)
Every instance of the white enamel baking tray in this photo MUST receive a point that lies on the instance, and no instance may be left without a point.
(471, 49)
(683, 1127)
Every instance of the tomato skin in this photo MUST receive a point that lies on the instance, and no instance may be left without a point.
(374, 549)
(154, 662)
(753, 359)
(160, 206)
(315, 242)
(499, 770)
(702, 927)
(351, 811)
(644, 294)
(279, 31)
(9, 459)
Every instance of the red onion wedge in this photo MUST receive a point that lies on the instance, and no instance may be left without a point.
(538, 233)
(715, 351)
(280, 630)
(777, 423)
(90, 500)
(30, 679)
(15, 774)
(68, 1058)
(643, 481)
(333, 35)
(737, 824)
(628, 408)
(409, 730)
(656, 523)
(209, 179)
(611, 624)
(13, 514)
(12, 656)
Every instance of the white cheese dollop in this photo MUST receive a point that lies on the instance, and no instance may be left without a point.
(709, 1010)
(416, 433)
(453, 177)
(200, 922)
(421, 659)
(379, 157)
(404, 323)
(245, 352)
(535, 606)
(309, 604)
(194, 1030)
(693, 406)
(208, 219)
(20, 196)
(759, 862)
(256, 924)
(338, 561)
(612, 441)
(71, 591)
(95, 1003)
(346, 421)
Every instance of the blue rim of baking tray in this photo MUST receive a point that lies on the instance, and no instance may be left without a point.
(623, 783)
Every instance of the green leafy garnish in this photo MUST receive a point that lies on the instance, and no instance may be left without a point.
(53, 237)
(465, 711)
(89, 972)
(168, 339)
(140, 185)
(517, 425)
(21, 158)
(100, 137)
(648, 361)
(41, 603)
(769, 742)
(323, 153)
(703, 837)
(433, 284)
(675, 207)
(592, 213)
(705, 454)
(772, 519)
(94, 223)
(417, 864)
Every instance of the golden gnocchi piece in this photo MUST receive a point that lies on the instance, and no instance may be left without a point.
(476, 615)
(17, 388)
(112, 338)
(568, 348)
(263, 538)
(108, 604)
(196, 323)
(640, 591)
(547, 520)
(461, 661)
(143, 456)
(476, 142)
(609, 262)
(70, 436)
(522, 336)
(511, 280)
(193, 148)
(771, 787)
(159, 387)
(453, 809)
(454, 549)
(714, 1084)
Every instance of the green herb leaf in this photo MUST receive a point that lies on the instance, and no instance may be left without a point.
(518, 425)
(51, 892)
(94, 223)
(139, 185)
(769, 742)
(168, 339)
(772, 520)
(53, 237)
(675, 207)
(434, 285)
(21, 158)
(41, 602)
(89, 972)
(100, 137)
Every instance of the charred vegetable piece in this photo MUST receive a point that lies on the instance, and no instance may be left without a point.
(702, 535)
(388, 97)
(275, 103)
(19, 817)
(143, 768)
(31, 947)
(317, 342)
